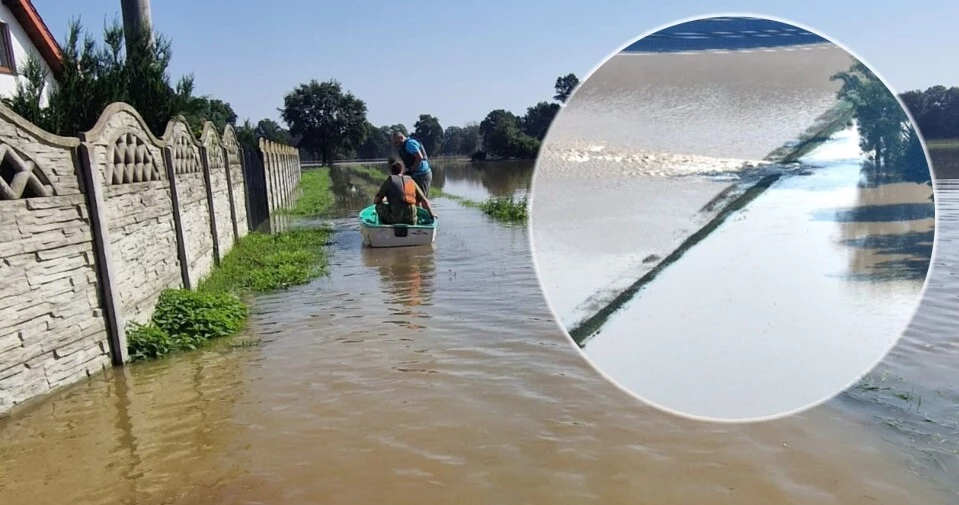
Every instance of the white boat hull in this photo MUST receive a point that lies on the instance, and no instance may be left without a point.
(393, 236)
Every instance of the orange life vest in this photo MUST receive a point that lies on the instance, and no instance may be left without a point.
(409, 190)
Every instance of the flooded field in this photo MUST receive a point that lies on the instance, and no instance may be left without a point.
(914, 392)
(420, 376)
(726, 331)
(647, 142)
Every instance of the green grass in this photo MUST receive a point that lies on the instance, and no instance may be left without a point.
(316, 198)
(261, 262)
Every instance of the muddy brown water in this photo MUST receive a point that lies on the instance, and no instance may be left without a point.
(419, 376)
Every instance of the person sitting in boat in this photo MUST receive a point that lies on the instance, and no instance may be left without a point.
(402, 195)
(415, 160)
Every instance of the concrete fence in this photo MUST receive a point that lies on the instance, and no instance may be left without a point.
(93, 229)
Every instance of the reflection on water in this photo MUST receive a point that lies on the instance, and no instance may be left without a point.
(734, 312)
(349, 399)
(479, 181)
(913, 392)
(407, 275)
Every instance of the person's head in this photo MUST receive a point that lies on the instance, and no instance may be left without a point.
(398, 138)
(396, 168)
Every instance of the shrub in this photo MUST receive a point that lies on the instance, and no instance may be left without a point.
(146, 341)
(505, 209)
(183, 321)
(194, 317)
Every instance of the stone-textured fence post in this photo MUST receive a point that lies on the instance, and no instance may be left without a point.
(282, 165)
(189, 182)
(134, 199)
(238, 181)
(220, 190)
(268, 173)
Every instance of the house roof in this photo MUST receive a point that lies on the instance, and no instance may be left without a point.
(37, 30)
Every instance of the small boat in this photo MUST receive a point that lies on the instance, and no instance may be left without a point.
(396, 235)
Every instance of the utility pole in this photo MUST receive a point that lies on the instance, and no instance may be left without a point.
(136, 16)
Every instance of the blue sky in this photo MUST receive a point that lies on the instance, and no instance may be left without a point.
(460, 59)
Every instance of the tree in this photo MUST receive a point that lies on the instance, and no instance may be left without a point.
(95, 76)
(564, 86)
(538, 118)
(328, 120)
(493, 119)
(377, 144)
(452, 140)
(216, 111)
(884, 128)
(246, 135)
(504, 138)
(429, 132)
(272, 131)
(472, 140)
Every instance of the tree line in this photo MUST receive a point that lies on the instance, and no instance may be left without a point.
(935, 110)
(330, 122)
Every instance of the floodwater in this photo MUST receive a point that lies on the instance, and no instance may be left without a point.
(479, 181)
(726, 331)
(735, 105)
(666, 132)
(418, 376)
(913, 393)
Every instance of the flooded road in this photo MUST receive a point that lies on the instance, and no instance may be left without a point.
(429, 376)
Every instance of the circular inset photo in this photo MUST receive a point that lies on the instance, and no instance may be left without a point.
(733, 217)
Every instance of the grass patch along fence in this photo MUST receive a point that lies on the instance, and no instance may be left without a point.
(262, 263)
(185, 320)
(316, 194)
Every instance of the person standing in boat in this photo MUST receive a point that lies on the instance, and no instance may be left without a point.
(402, 196)
(415, 160)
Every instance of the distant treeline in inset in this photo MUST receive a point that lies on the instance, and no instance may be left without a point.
(935, 110)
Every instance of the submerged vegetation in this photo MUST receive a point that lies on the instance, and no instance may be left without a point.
(506, 209)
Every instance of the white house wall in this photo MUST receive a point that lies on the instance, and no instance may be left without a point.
(22, 47)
